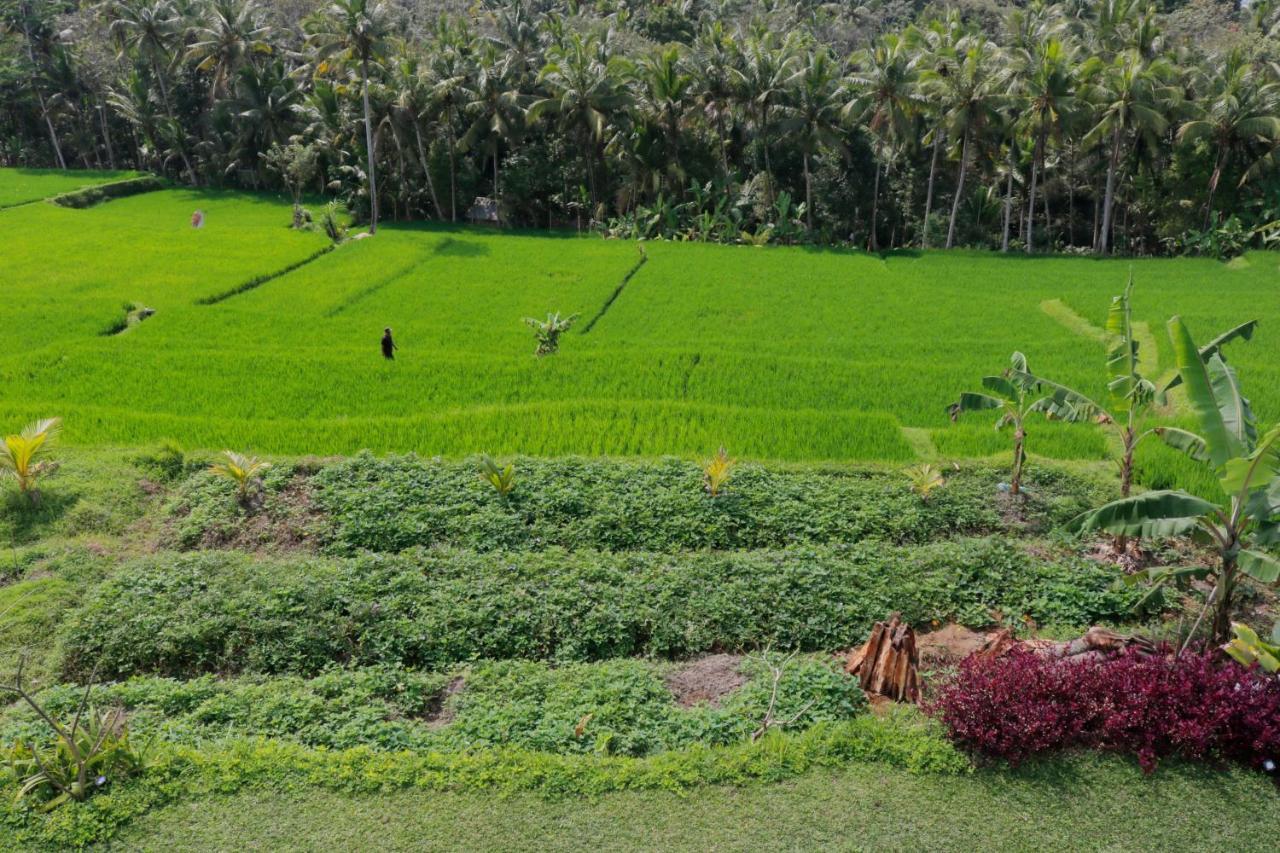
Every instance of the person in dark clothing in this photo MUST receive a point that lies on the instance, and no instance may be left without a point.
(388, 345)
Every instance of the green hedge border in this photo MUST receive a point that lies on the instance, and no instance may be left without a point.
(89, 196)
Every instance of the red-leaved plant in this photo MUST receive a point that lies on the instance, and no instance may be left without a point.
(1199, 706)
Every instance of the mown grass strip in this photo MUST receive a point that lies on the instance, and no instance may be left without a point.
(1064, 314)
(617, 291)
(258, 281)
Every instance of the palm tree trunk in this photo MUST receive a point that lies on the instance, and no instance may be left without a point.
(764, 142)
(955, 202)
(497, 193)
(1031, 192)
(106, 136)
(928, 196)
(453, 171)
(53, 134)
(426, 170)
(1008, 201)
(808, 194)
(872, 243)
(1104, 241)
(724, 153)
(369, 147)
(1213, 187)
(168, 107)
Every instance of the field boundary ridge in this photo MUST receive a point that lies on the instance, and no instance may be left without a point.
(259, 280)
(617, 291)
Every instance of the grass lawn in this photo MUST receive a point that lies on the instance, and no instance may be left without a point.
(1076, 804)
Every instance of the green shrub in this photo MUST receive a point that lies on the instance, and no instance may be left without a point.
(398, 502)
(216, 612)
(89, 196)
(619, 707)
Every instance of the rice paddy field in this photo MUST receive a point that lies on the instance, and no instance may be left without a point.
(263, 338)
(24, 186)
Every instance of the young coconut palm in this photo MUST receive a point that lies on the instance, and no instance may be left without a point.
(22, 455)
(1248, 469)
(243, 470)
(1018, 393)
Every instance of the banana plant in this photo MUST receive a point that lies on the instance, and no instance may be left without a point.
(1248, 648)
(1015, 395)
(22, 455)
(1134, 398)
(1246, 466)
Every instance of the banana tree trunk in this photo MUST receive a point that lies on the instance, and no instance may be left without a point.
(928, 196)
(1019, 460)
(369, 146)
(1226, 593)
(955, 202)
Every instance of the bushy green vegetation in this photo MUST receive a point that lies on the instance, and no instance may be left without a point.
(184, 615)
(371, 504)
(618, 707)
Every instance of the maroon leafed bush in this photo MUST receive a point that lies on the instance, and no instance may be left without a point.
(1199, 706)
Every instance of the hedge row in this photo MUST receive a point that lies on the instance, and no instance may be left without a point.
(388, 505)
(901, 740)
(89, 196)
(188, 614)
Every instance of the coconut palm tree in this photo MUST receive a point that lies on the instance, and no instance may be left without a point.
(968, 97)
(935, 48)
(495, 109)
(1240, 119)
(584, 92)
(1047, 91)
(153, 31)
(885, 97)
(663, 89)
(814, 118)
(228, 33)
(715, 62)
(1133, 98)
(355, 31)
(764, 80)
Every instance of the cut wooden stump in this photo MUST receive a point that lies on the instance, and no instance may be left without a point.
(887, 664)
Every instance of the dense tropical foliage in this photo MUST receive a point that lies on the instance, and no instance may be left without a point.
(1111, 125)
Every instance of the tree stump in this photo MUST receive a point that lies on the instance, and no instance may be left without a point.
(887, 664)
(1094, 644)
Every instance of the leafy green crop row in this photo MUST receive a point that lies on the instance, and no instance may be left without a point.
(388, 504)
(620, 707)
(185, 615)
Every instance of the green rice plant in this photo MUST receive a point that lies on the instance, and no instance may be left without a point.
(717, 471)
(502, 478)
(22, 456)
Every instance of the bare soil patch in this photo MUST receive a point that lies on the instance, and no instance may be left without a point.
(707, 679)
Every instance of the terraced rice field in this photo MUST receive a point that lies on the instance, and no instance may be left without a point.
(778, 353)
(23, 186)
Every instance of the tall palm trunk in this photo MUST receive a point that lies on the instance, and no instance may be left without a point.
(955, 202)
(1031, 193)
(808, 194)
(928, 196)
(106, 136)
(453, 170)
(426, 170)
(44, 107)
(764, 142)
(168, 108)
(872, 242)
(1104, 235)
(369, 147)
(497, 193)
(1213, 186)
(1008, 202)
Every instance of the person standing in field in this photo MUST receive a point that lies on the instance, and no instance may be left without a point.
(388, 345)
